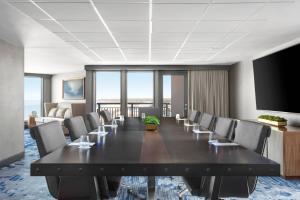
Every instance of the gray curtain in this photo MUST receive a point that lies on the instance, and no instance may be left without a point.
(208, 91)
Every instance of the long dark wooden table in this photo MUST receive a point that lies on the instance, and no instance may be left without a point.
(171, 151)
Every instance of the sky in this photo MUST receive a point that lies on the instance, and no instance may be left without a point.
(139, 85)
(32, 88)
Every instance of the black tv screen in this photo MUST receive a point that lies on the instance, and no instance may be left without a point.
(277, 81)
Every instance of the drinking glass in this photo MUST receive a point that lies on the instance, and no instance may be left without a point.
(143, 116)
(114, 123)
(101, 129)
(186, 122)
(84, 142)
(211, 137)
(196, 127)
(177, 116)
(121, 118)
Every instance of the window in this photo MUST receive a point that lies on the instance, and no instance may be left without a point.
(32, 96)
(108, 91)
(167, 96)
(139, 92)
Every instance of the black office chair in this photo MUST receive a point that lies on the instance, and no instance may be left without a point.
(206, 121)
(50, 137)
(149, 111)
(225, 127)
(106, 116)
(93, 120)
(76, 127)
(250, 135)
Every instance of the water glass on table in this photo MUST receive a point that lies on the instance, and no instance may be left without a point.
(101, 129)
(143, 116)
(196, 127)
(84, 142)
(212, 137)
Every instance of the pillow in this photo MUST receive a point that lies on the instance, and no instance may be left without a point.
(52, 112)
(60, 112)
(68, 113)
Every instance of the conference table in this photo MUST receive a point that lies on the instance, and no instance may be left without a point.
(172, 150)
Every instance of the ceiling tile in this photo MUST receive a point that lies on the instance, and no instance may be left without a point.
(134, 37)
(135, 51)
(271, 10)
(51, 25)
(216, 26)
(129, 26)
(173, 26)
(159, 37)
(93, 37)
(182, 1)
(178, 11)
(166, 45)
(207, 37)
(231, 11)
(84, 26)
(136, 45)
(30, 10)
(117, 11)
(70, 11)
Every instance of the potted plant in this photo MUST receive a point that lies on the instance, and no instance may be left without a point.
(151, 123)
(273, 120)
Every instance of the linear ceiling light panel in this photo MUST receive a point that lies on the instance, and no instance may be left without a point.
(65, 29)
(107, 28)
(150, 31)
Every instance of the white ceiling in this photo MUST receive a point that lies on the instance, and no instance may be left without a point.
(183, 31)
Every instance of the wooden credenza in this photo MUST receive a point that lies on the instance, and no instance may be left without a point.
(284, 147)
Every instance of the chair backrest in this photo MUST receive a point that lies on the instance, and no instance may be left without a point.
(225, 127)
(194, 115)
(76, 127)
(149, 111)
(252, 135)
(49, 137)
(93, 120)
(106, 115)
(206, 121)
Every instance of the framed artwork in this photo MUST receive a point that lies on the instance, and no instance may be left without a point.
(73, 89)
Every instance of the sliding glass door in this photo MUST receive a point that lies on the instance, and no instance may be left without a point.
(108, 92)
(139, 91)
(32, 96)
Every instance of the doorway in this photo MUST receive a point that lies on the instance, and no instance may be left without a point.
(174, 93)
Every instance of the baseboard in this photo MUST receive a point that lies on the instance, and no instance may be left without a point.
(11, 159)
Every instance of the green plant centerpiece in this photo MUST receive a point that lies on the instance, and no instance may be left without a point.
(273, 120)
(151, 122)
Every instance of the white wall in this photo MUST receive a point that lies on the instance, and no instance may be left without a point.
(11, 101)
(57, 81)
(242, 95)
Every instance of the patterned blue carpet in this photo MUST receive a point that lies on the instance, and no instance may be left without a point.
(17, 184)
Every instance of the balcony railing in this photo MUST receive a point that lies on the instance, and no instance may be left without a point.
(132, 108)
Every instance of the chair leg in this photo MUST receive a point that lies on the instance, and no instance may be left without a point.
(214, 188)
(182, 192)
(134, 193)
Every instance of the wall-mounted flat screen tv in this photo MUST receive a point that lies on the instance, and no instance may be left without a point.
(277, 81)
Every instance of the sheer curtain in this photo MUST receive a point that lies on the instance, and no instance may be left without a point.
(208, 91)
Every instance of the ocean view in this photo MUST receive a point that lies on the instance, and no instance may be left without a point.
(31, 105)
